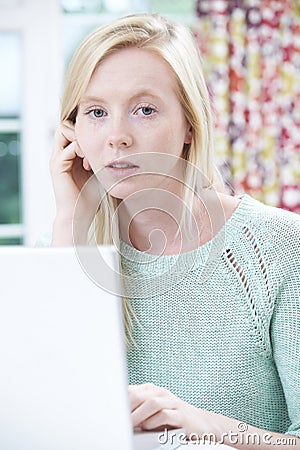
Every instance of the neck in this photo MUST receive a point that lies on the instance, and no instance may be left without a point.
(152, 223)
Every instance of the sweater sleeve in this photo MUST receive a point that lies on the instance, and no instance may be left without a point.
(285, 338)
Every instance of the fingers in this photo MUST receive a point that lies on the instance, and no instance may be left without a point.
(65, 133)
(169, 418)
(86, 164)
(62, 161)
(69, 152)
(63, 136)
(66, 148)
(138, 393)
(153, 407)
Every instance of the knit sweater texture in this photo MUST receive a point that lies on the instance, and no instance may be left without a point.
(220, 326)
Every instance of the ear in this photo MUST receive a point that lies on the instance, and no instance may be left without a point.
(188, 134)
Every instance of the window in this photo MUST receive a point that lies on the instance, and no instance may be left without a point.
(10, 111)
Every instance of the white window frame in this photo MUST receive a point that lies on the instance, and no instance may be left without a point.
(38, 23)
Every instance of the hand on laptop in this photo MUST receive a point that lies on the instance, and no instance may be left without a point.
(156, 408)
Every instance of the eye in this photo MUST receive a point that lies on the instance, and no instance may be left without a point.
(146, 110)
(97, 113)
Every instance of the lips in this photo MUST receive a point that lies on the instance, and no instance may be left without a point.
(121, 168)
(121, 165)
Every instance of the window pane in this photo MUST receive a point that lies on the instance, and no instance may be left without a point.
(10, 74)
(11, 241)
(82, 6)
(172, 6)
(116, 6)
(72, 37)
(98, 6)
(10, 205)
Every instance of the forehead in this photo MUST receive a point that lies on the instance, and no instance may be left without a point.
(133, 66)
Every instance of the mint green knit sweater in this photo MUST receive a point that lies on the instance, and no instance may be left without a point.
(220, 326)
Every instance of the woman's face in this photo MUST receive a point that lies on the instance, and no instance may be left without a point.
(130, 124)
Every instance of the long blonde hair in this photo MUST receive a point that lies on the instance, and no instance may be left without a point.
(175, 44)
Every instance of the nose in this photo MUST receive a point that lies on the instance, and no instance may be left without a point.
(119, 135)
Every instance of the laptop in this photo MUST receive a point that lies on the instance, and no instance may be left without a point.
(63, 374)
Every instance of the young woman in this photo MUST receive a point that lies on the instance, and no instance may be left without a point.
(212, 281)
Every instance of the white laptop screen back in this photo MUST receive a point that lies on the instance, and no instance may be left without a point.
(63, 381)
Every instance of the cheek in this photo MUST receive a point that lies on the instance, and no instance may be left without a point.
(83, 133)
(88, 140)
(173, 142)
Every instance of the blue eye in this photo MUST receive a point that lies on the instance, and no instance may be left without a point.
(98, 113)
(147, 110)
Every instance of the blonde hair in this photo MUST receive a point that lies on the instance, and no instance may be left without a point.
(175, 44)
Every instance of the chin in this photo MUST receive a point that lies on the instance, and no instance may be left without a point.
(121, 192)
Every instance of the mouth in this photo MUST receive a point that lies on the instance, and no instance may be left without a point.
(122, 168)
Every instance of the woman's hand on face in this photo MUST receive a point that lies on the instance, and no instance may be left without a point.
(70, 171)
(155, 408)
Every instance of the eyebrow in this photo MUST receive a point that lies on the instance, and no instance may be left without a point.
(141, 93)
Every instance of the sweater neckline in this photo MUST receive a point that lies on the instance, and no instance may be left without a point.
(136, 260)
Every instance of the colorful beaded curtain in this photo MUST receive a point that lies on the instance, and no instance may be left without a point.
(251, 56)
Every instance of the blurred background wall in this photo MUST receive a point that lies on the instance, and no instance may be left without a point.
(251, 56)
